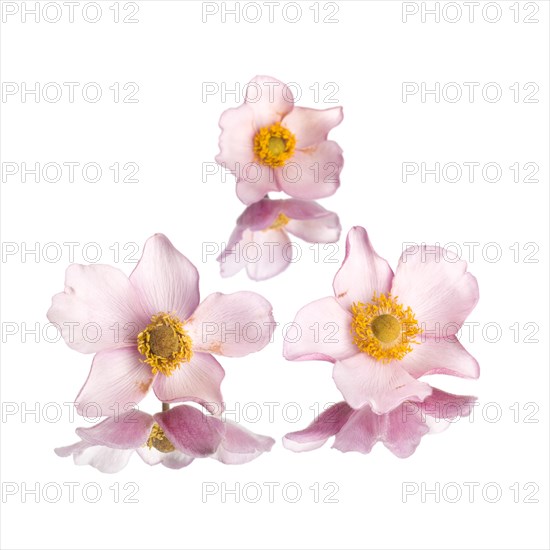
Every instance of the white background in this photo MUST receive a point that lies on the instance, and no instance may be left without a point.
(169, 133)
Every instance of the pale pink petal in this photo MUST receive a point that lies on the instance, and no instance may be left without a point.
(311, 126)
(363, 271)
(270, 100)
(402, 435)
(321, 330)
(438, 410)
(436, 425)
(260, 215)
(237, 138)
(434, 283)
(327, 424)
(150, 456)
(444, 356)
(199, 381)
(235, 238)
(165, 279)
(173, 460)
(104, 459)
(232, 259)
(129, 430)
(176, 460)
(75, 448)
(190, 431)
(254, 181)
(360, 432)
(240, 445)
(264, 254)
(320, 230)
(363, 380)
(267, 253)
(98, 310)
(310, 221)
(445, 405)
(118, 380)
(312, 173)
(300, 209)
(231, 324)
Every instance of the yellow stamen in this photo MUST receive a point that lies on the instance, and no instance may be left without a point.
(274, 145)
(280, 221)
(165, 344)
(158, 440)
(384, 328)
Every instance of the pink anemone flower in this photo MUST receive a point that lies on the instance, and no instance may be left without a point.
(260, 242)
(271, 145)
(392, 329)
(149, 329)
(399, 430)
(173, 438)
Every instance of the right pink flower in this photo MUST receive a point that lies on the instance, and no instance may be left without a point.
(392, 329)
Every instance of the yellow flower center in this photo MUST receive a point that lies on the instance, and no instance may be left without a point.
(274, 145)
(158, 440)
(280, 221)
(386, 328)
(383, 328)
(165, 344)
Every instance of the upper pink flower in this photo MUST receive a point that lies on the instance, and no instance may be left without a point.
(173, 438)
(260, 241)
(271, 145)
(400, 430)
(149, 329)
(392, 328)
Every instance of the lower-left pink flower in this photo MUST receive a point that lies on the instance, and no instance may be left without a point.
(173, 438)
(149, 329)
